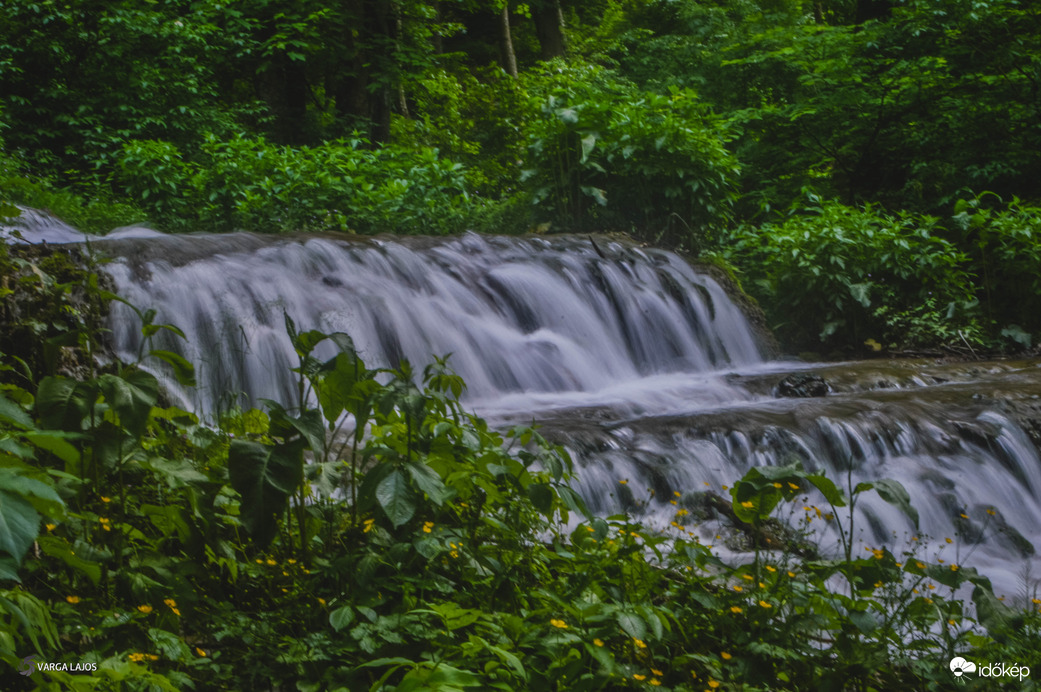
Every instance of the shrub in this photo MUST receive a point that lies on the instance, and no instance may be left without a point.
(605, 155)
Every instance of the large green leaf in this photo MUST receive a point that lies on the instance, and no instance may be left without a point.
(62, 403)
(396, 498)
(265, 477)
(183, 371)
(13, 414)
(895, 494)
(131, 397)
(19, 525)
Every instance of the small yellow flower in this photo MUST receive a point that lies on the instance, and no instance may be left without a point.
(764, 604)
(673, 502)
(878, 585)
(778, 485)
(624, 481)
(51, 527)
(637, 676)
(428, 526)
(106, 500)
(73, 599)
(654, 682)
(200, 652)
(639, 643)
(919, 565)
(657, 672)
(948, 540)
(726, 656)
(136, 658)
(762, 585)
(951, 622)
(713, 684)
(454, 553)
(368, 525)
(791, 574)
(738, 587)
(726, 487)
(771, 568)
(560, 624)
(748, 505)
(151, 657)
(1036, 601)
(932, 587)
(963, 515)
(747, 576)
(735, 609)
(170, 602)
(291, 561)
(928, 600)
(271, 562)
(954, 568)
(793, 486)
(146, 609)
(321, 601)
(990, 512)
(259, 561)
(598, 642)
(677, 494)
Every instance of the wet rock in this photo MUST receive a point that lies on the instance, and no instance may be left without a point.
(802, 386)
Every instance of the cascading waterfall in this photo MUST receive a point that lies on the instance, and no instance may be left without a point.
(643, 367)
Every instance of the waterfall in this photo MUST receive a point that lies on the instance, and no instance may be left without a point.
(644, 368)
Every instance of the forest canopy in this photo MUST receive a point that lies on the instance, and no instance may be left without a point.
(691, 124)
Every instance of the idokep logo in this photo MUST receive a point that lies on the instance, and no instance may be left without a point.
(959, 666)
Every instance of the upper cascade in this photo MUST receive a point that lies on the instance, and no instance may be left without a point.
(514, 314)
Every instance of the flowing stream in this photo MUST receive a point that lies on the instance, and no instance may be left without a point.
(643, 367)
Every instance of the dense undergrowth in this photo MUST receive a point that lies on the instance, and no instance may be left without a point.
(420, 550)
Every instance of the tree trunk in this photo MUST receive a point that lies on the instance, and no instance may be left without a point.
(509, 58)
(549, 28)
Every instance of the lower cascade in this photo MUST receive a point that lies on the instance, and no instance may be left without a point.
(642, 366)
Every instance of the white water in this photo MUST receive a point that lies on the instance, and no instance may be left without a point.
(625, 355)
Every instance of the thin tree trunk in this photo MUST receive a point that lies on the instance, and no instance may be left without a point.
(509, 58)
(549, 28)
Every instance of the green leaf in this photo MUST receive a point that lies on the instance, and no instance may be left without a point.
(265, 477)
(14, 414)
(430, 483)
(895, 494)
(62, 403)
(56, 444)
(395, 498)
(588, 142)
(341, 617)
(541, 496)
(632, 624)
(184, 372)
(131, 397)
(19, 525)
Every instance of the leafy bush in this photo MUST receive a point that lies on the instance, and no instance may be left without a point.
(842, 275)
(249, 184)
(605, 155)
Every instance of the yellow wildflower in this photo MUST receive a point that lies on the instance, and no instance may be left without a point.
(654, 682)
(764, 604)
(726, 656)
(791, 574)
(951, 622)
(146, 609)
(321, 601)
(990, 512)
(291, 561)
(151, 657)
(637, 676)
(51, 527)
(560, 624)
(747, 576)
(677, 494)
(368, 525)
(598, 642)
(948, 540)
(954, 568)
(713, 684)
(428, 526)
(639, 643)
(170, 602)
(200, 652)
(778, 485)
(624, 481)
(271, 562)
(454, 553)
(136, 658)
(793, 486)
(748, 505)
(771, 568)
(738, 587)
(73, 599)
(106, 500)
(963, 515)
(735, 609)
(657, 672)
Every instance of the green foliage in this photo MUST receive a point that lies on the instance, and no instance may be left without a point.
(605, 155)
(251, 184)
(843, 275)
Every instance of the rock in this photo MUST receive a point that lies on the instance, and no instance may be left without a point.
(802, 386)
